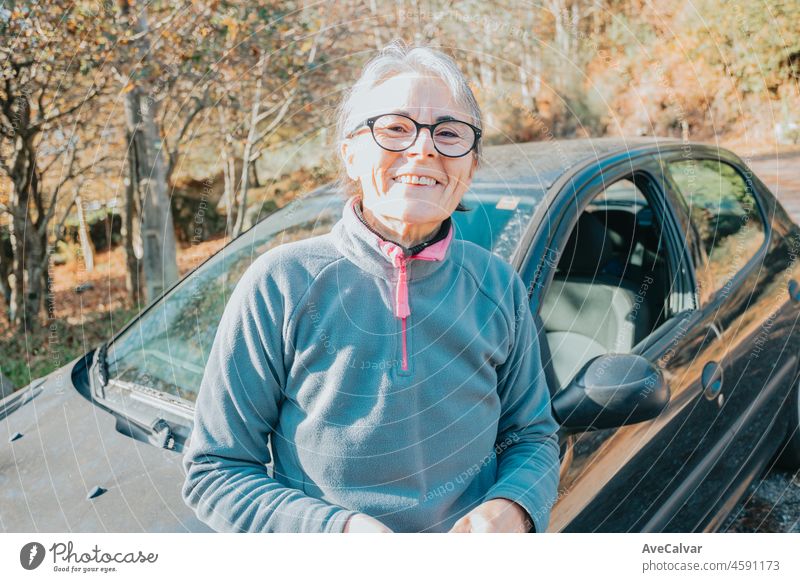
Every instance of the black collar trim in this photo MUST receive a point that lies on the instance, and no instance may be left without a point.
(441, 233)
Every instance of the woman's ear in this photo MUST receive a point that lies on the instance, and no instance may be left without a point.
(474, 166)
(348, 154)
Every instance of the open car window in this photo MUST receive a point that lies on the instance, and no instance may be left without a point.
(162, 355)
(611, 288)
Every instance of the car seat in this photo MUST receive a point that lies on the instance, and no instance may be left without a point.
(591, 307)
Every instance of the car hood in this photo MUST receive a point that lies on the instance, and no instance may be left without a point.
(57, 446)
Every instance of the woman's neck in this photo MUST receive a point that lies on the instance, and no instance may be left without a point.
(404, 234)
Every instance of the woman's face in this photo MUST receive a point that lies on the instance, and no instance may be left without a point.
(386, 192)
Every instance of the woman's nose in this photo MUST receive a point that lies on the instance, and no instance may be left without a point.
(423, 145)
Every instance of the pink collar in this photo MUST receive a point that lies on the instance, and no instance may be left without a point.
(395, 254)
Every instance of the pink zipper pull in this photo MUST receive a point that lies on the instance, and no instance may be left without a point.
(401, 295)
(402, 308)
(401, 303)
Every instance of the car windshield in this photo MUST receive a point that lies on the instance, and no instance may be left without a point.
(163, 353)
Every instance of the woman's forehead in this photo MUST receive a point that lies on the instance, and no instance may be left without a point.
(423, 97)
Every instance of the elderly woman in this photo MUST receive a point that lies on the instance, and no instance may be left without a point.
(394, 368)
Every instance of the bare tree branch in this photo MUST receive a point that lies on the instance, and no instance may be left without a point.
(269, 112)
(276, 121)
(45, 86)
(69, 208)
(38, 124)
(71, 174)
(70, 165)
(200, 103)
(160, 24)
(19, 65)
(54, 160)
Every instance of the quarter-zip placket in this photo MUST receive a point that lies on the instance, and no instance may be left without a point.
(402, 308)
(434, 250)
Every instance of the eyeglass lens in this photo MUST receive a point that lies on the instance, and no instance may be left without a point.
(397, 133)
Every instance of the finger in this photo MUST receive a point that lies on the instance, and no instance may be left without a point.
(480, 523)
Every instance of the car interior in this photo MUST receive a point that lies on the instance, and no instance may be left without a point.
(611, 286)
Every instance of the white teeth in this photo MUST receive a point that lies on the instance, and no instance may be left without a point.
(410, 179)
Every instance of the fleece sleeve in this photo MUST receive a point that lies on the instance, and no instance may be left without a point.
(527, 442)
(227, 483)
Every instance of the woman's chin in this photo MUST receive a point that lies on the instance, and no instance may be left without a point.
(416, 199)
(411, 210)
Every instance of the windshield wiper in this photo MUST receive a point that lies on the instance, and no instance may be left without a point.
(159, 432)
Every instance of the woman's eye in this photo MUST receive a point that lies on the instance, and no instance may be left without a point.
(446, 133)
(398, 129)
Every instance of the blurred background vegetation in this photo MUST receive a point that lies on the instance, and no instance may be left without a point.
(121, 118)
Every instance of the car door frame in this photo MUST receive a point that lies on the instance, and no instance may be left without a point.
(570, 196)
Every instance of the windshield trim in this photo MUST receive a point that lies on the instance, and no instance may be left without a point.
(161, 401)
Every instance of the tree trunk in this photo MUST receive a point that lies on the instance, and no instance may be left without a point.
(83, 235)
(158, 235)
(131, 232)
(256, 179)
(31, 265)
(17, 264)
(26, 290)
(228, 172)
(6, 261)
(248, 149)
(524, 70)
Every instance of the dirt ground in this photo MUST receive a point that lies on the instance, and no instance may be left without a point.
(108, 279)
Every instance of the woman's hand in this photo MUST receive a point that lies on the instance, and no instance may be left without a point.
(363, 523)
(495, 516)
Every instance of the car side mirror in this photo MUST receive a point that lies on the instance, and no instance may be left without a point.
(611, 390)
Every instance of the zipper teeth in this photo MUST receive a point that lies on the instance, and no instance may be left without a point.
(402, 283)
(405, 353)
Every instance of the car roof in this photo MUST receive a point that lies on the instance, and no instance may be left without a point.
(541, 163)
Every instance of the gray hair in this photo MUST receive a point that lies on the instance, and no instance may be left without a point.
(397, 58)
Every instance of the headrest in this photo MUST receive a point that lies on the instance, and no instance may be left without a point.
(588, 248)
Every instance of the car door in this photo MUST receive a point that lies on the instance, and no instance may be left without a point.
(744, 273)
(631, 478)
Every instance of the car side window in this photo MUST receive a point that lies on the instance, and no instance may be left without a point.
(612, 283)
(725, 214)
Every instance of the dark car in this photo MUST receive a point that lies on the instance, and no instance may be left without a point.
(662, 275)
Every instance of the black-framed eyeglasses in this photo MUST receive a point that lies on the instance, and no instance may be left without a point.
(395, 132)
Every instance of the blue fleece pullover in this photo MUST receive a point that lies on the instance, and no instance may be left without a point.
(409, 388)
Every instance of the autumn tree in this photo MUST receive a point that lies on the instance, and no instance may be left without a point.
(49, 82)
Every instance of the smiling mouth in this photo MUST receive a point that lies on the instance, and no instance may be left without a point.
(416, 180)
